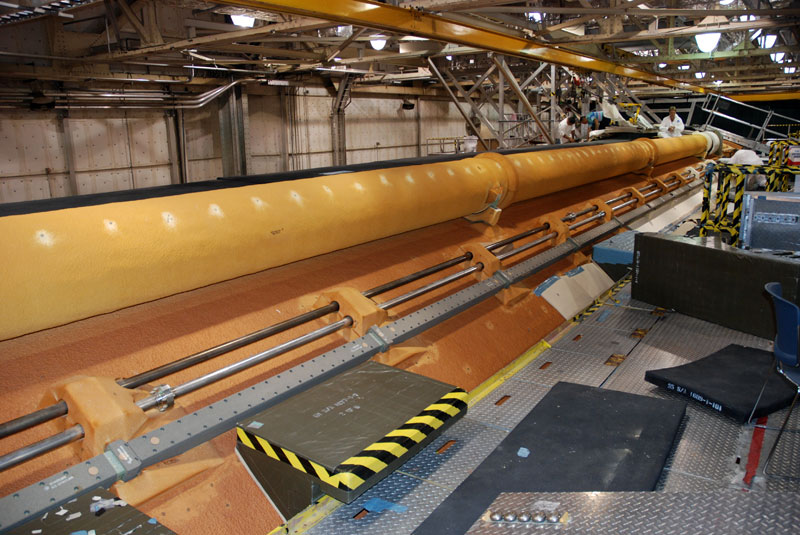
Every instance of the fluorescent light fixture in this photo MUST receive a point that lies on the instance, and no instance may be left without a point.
(707, 42)
(755, 34)
(448, 58)
(471, 61)
(337, 59)
(789, 70)
(535, 16)
(777, 57)
(662, 65)
(378, 43)
(699, 75)
(725, 2)
(683, 67)
(243, 21)
(746, 18)
(717, 82)
(413, 38)
(767, 41)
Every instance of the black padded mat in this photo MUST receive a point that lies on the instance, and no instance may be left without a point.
(729, 381)
(578, 439)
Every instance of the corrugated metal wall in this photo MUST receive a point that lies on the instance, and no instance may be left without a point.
(122, 149)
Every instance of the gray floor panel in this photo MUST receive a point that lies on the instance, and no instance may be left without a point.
(520, 398)
(596, 341)
(729, 512)
(708, 445)
(414, 498)
(620, 317)
(472, 443)
(565, 366)
(675, 481)
(785, 460)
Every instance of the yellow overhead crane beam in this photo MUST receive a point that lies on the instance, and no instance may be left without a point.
(412, 22)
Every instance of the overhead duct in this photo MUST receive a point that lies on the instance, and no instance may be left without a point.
(71, 264)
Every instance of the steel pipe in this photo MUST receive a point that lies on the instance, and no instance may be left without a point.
(33, 419)
(217, 375)
(578, 224)
(430, 287)
(523, 248)
(502, 243)
(197, 358)
(40, 448)
(377, 290)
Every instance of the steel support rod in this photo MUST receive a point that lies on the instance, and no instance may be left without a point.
(430, 287)
(391, 285)
(578, 224)
(475, 129)
(40, 448)
(623, 205)
(35, 418)
(502, 243)
(523, 248)
(197, 358)
(619, 198)
(217, 375)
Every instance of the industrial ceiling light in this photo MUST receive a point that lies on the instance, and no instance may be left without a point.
(755, 34)
(707, 42)
(699, 75)
(243, 21)
(777, 57)
(535, 16)
(767, 41)
(717, 82)
(789, 70)
(448, 57)
(683, 67)
(662, 65)
(378, 42)
(725, 2)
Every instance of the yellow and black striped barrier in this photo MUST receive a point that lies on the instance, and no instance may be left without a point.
(716, 218)
(600, 301)
(356, 470)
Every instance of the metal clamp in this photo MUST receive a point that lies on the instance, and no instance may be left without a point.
(164, 397)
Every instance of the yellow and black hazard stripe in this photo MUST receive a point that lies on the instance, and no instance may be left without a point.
(600, 301)
(353, 472)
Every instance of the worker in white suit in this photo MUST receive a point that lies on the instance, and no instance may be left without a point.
(672, 125)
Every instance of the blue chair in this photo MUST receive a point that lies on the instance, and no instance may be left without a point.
(787, 353)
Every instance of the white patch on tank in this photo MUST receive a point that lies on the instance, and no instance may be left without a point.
(517, 163)
(296, 197)
(358, 186)
(169, 220)
(431, 174)
(384, 180)
(409, 179)
(468, 170)
(328, 190)
(45, 238)
(215, 211)
(110, 226)
(258, 203)
(451, 172)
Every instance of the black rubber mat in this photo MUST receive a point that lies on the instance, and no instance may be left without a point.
(576, 439)
(729, 381)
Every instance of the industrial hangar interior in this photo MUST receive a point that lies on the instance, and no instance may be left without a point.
(425, 266)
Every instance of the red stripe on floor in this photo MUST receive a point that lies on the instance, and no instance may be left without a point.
(755, 450)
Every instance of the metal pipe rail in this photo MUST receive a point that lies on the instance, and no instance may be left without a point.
(163, 399)
(40, 448)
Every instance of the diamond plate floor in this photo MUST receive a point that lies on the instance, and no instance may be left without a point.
(704, 470)
(648, 513)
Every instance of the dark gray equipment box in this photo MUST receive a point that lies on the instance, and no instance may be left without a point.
(342, 436)
(771, 221)
(707, 279)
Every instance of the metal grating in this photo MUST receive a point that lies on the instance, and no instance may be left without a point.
(410, 500)
(621, 318)
(472, 443)
(596, 341)
(651, 513)
(675, 481)
(522, 397)
(565, 366)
